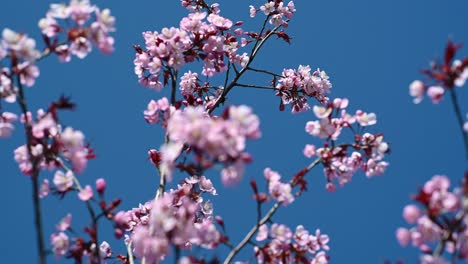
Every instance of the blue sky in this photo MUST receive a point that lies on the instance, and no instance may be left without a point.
(371, 49)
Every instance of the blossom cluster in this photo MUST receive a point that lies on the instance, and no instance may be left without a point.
(442, 77)
(63, 245)
(368, 150)
(440, 220)
(278, 11)
(82, 24)
(284, 246)
(201, 36)
(216, 139)
(180, 217)
(50, 142)
(296, 85)
(157, 111)
(22, 52)
(280, 191)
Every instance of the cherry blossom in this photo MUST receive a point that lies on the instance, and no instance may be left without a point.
(84, 25)
(443, 76)
(438, 220)
(341, 161)
(296, 85)
(6, 124)
(284, 246)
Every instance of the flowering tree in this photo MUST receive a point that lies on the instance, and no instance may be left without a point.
(441, 217)
(199, 63)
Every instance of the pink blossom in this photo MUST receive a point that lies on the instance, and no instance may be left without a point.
(262, 233)
(282, 192)
(80, 47)
(6, 126)
(322, 112)
(172, 221)
(105, 250)
(309, 150)
(188, 83)
(49, 26)
(416, 90)
(411, 213)
(59, 243)
(28, 73)
(44, 189)
(74, 148)
(297, 85)
(463, 76)
(320, 258)
(340, 103)
(404, 236)
(219, 21)
(23, 47)
(64, 224)
(252, 11)
(157, 110)
(84, 25)
(322, 129)
(207, 234)
(206, 185)
(169, 153)
(281, 233)
(330, 187)
(63, 181)
(366, 119)
(435, 93)
(86, 194)
(232, 175)
(22, 158)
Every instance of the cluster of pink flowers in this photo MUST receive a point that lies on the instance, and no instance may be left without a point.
(368, 149)
(189, 83)
(280, 191)
(217, 139)
(296, 85)
(180, 217)
(443, 76)
(83, 25)
(51, 142)
(62, 245)
(278, 12)
(200, 36)
(22, 52)
(157, 111)
(284, 246)
(441, 220)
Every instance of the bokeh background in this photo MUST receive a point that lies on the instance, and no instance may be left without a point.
(371, 49)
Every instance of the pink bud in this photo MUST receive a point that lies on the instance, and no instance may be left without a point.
(330, 187)
(411, 213)
(86, 194)
(100, 185)
(404, 236)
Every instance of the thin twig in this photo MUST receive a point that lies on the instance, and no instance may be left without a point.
(258, 45)
(264, 71)
(92, 214)
(34, 173)
(256, 86)
(130, 253)
(456, 108)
